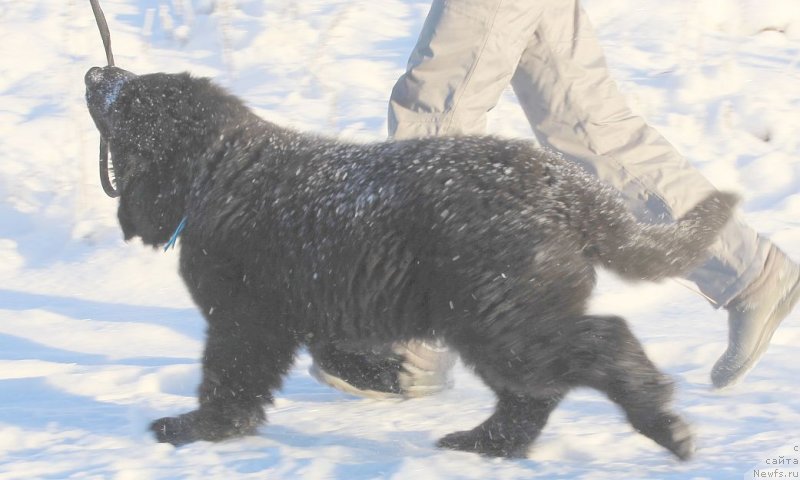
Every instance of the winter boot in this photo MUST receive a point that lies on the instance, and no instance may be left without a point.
(413, 369)
(754, 315)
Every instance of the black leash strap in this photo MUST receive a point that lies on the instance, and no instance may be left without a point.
(105, 179)
(104, 33)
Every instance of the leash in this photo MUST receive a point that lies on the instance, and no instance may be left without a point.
(105, 179)
(100, 18)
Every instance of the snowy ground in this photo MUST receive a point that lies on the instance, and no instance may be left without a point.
(98, 337)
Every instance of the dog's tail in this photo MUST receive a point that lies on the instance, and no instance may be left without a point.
(639, 251)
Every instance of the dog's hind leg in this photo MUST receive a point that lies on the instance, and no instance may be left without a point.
(512, 339)
(510, 368)
(607, 356)
(531, 373)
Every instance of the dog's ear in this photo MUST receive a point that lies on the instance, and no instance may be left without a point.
(136, 213)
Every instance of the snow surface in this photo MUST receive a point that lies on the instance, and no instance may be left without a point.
(98, 337)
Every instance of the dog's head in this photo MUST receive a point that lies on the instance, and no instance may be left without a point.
(157, 127)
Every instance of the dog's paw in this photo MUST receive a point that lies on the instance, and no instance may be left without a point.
(480, 442)
(204, 425)
(671, 432)
(174, 430)
(680, 438)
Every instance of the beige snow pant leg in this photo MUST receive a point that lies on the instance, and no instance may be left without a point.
(470, 50)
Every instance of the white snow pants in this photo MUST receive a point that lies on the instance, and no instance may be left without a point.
(470, 50)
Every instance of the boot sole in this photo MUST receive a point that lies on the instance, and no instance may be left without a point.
(413, 391)
(333, 381)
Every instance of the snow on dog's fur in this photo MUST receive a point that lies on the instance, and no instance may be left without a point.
(487, 244)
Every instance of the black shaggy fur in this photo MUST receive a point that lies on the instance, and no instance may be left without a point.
(292, 239)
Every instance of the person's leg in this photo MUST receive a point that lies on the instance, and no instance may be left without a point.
(574, 107)
(464, 58)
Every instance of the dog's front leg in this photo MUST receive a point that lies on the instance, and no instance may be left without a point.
(248, 351)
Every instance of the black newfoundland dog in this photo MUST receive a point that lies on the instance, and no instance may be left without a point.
(293, 239)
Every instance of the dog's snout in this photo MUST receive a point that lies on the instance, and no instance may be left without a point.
(103, 87)
(99, 77)
(93, 77)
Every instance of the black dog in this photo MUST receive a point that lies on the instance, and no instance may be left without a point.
(293, 239)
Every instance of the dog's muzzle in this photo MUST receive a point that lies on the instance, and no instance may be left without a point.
(103, 86)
